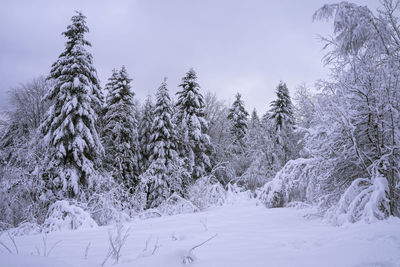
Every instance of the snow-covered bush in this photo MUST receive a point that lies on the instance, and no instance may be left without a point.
(365, 199)
(63, 215)
(256, 174)
(176, 204)
(111, 202)
(296, 181)
(205, 193)
(23, 198)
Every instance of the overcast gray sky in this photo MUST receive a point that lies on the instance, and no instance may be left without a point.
(235, 46)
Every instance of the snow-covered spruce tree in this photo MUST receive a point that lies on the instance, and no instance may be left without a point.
(281, 111)
(69, 128)
(255, 134)
(144, 131)
(161, 176)
(238, 117)
(194, 142)
(281, 117)
(254, 120)
(236, 158)
(119, 133)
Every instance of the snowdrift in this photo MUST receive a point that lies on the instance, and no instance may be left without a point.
(65, 216)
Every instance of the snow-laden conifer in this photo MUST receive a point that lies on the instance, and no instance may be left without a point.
(69, 128)
(161, 174)
(120, 130)
(144, 132)
(194, 143)
(238, 116)
(280, 117)
(281, 112)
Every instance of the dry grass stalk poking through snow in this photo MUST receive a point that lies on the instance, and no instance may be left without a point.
(46, 252)
(13, 242)
(189, 257)
(116, 243)
(87, 250)
(149, 250)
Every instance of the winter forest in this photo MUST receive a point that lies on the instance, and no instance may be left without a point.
(81, 162)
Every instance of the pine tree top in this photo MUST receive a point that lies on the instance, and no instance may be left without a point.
(76, 31)
(119, 88)
(238, 108)
(254, 116)
(74, 67)
(190, 99)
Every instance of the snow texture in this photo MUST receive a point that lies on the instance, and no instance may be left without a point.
(247, 235)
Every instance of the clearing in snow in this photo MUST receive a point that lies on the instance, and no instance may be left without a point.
(241, 234)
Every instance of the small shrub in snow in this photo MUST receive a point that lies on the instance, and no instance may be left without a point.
(112, 202)
(177, 205)
(65, 216)
(206, 193)
(365, 199)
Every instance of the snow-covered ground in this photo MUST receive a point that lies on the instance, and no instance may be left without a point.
(247, 235)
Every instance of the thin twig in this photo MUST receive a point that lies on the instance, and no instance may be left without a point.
(13, 241)
(193, 248)
(37, 250)
(146, 251)
(4, 245)
(44, 239)
(51, 249)
(204, 223)
(87, 250)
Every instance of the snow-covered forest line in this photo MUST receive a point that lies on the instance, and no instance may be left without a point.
(73, 154)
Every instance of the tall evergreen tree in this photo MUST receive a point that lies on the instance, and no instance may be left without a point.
(144, 131)
(254, 119)
(120, 130)
(69, 127)
(281, 112)
(163, 155)
(238, 116)
(195, 143)
(281, 117)
(254, 134)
